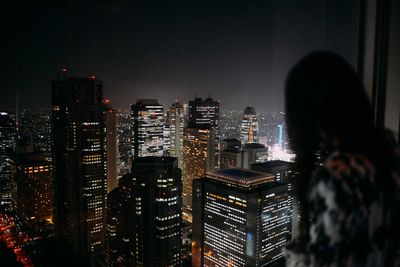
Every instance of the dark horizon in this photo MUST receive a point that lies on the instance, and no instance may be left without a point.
(236, 52)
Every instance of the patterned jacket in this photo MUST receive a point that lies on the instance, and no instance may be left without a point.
(353, 223)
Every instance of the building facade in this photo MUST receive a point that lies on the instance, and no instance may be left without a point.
(284, 172)
(8, 139)
(79, 164)
(204, 114)
(34, 184)
(240, 218)
(198, 157)
(111, 145)
(147, 128)
(176, 123)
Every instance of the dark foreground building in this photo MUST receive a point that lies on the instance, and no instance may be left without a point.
(79, 164)
(144, 218)
(240, 218)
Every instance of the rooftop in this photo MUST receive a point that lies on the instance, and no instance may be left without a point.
(241, 177)
(273, 164)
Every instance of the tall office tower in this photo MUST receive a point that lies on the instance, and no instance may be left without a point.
(112, 247)
(158, 220)
(198, 157)
(284, 172)
(166, 136)
(111, 145)
(240, 218)
(34, 186)
(249, 127)
(120, 235)
(204, 114)
(8, 137)
(176, 122)
(257, 153)
(79, 164)
(148, 132)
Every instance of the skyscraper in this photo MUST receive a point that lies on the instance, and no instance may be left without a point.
(7, 143)
(240, 218)
(121, 216)
(147, 128)
(249, 126)
(204, 114)
(176, 122)
(284, 172)
(198, 157)
(158, 221)
(144, 223)
(200, 146)
(79, 164)
(111, 145)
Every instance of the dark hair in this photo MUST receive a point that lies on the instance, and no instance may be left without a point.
(326, 101)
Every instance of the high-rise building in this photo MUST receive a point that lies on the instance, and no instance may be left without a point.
(111, 145)
(204, 114)
(249, 127)
(8, 139)
(284, 172)
(79, 164)
(158, 220)
(147, 128)
(34, 186)
(176, 122)
(121, 219)
(240, 218)
(144, 218)
(198, 157)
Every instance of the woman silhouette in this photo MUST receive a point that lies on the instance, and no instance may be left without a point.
(350, 198)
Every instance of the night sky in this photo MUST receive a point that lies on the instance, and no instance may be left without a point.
(238, 52)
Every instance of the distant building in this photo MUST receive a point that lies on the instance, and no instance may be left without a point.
(198, 157)
(34, 186)
(230, 143)
(234, 158)
(249, 127)
(8, 137)
(240, 218)
(147, 128)
(176, 122)
(111, 146)
(144, 222)
(257, 153)
(79, 164)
